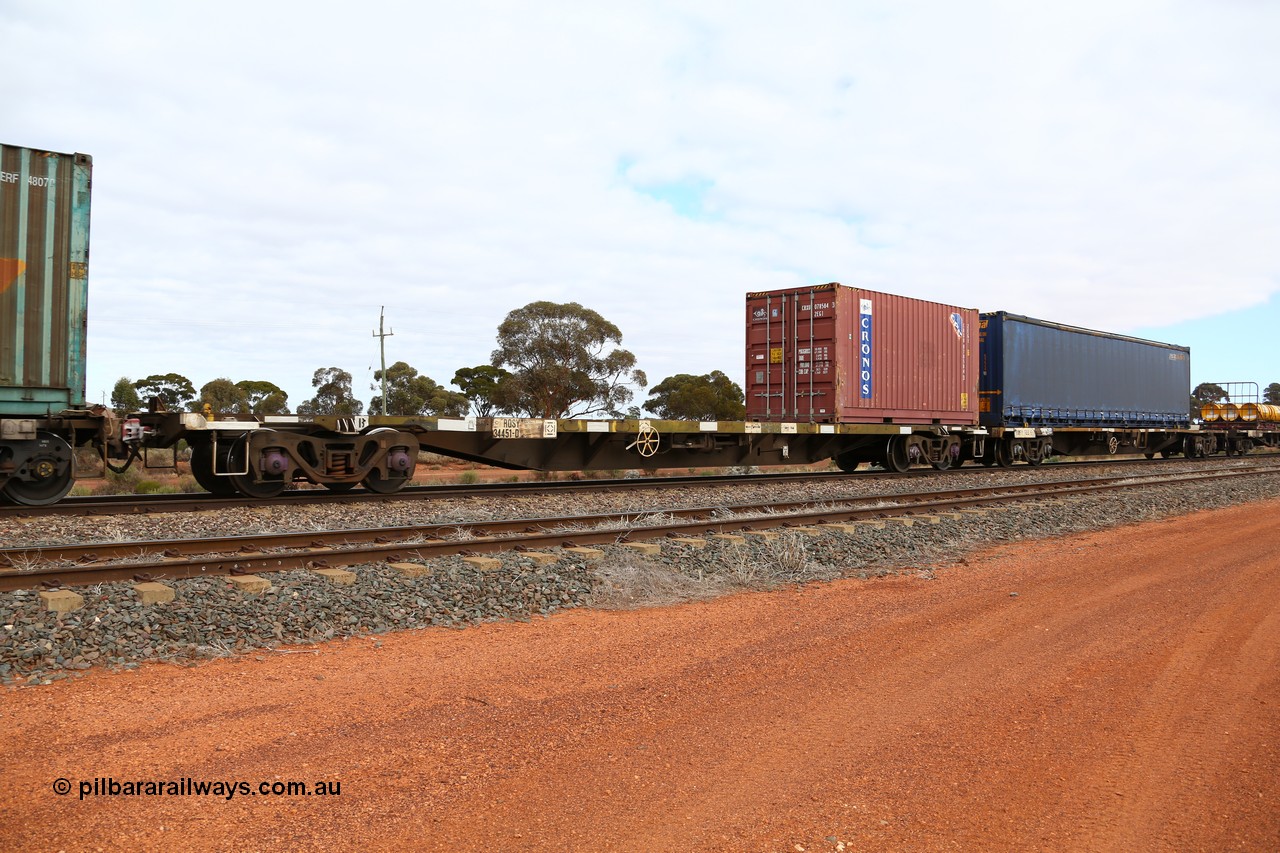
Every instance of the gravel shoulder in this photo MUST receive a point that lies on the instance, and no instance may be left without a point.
(1126, 697)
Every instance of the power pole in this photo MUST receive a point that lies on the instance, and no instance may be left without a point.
(382, 344)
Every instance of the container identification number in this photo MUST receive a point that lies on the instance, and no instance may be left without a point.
(34, 180)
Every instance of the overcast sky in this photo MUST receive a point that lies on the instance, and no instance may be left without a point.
(268, 174)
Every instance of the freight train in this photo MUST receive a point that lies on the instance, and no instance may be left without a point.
(832, 372)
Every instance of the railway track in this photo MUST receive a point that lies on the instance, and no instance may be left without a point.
(174, 559)
(107, 505)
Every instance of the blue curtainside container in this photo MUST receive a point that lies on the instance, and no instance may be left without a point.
(1037, 373)
(44, 268)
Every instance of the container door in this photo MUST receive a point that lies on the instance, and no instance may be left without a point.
(791, 355)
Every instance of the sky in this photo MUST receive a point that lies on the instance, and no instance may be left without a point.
(269, 175)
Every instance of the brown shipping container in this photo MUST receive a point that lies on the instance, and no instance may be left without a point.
(837, 354)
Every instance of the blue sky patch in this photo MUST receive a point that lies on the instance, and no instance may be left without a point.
(1235, 346)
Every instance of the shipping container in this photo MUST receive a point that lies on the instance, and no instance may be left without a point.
(44, 265)
(1038, 373)
(837, 354)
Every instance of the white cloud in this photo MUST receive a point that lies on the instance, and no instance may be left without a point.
(268, 175)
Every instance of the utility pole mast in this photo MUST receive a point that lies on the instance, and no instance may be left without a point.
(382, 344)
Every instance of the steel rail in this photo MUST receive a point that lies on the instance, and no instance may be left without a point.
(245, 554)
(259, 542)
(106, 505)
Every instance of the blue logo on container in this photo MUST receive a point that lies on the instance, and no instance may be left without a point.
(864, 349)
(957, 323)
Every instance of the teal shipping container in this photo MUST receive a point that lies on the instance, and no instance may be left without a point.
(44, 269)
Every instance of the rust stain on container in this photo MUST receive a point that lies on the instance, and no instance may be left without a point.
(831, 353)
(10, 269)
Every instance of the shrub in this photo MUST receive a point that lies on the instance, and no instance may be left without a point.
(122, 484)
(188, 485)
(88, 462)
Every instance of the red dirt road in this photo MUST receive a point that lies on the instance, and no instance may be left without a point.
(1127, 698)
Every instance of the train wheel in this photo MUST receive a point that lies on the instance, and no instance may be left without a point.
(895, 454)
(245, 484)
(399, 462)
(1003, 454)
(375, 482)
(52, 470)
(989, 452)
(846, 463)
(202, 469)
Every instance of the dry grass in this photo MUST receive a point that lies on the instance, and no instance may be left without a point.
(631, 581)
(776, 562)
(24, 562)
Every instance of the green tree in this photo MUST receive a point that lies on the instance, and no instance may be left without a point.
(264, 398)
(222, 396)
(173, 390)
(1209, 392)
(1206, 392)
(1270, 394)
(333, 394)
(563, 363)
(410, 393)
(124, 397)
(710, 397)
(481, 385)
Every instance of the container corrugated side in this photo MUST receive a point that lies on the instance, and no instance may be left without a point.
(831, 353)
(44, 262)
(1039, 373)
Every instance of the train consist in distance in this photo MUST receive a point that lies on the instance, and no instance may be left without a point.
(832, 372)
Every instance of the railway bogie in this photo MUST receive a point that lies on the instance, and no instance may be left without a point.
(260, 458)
